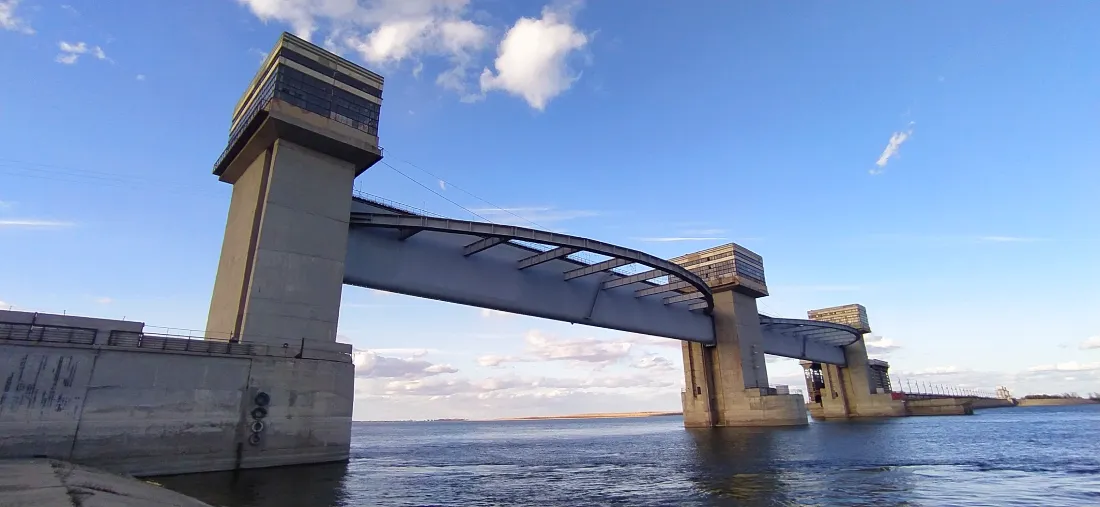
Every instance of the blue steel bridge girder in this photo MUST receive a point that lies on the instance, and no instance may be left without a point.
(504, 268)
(495, 266)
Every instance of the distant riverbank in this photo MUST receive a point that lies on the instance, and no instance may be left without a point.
(609, 415)
(1054, 402)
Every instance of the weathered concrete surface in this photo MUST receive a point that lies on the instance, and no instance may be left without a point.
(142, 407)
(992, 403)
(52, 483)
(847, 392)
(309, 419)
(1031, 402)
(126, 409)
(727, 385)
(281, 271)
(940, 406)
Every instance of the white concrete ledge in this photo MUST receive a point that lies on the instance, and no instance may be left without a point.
(52, 483)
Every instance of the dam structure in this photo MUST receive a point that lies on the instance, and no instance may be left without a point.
(267, 383)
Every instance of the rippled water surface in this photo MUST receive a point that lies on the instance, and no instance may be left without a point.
(1046, 456)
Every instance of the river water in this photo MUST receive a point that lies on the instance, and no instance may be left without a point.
(1047, 456)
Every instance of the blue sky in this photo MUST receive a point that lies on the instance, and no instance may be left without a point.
(933, 161)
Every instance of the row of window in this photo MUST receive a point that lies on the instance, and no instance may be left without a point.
(312, 86)
(322, 108)
(315, 96)
(316, 66)
(260, 98)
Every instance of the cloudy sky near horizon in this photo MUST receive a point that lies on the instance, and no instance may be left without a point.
(933, 162)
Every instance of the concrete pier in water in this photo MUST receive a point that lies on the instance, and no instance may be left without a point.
(727, 384)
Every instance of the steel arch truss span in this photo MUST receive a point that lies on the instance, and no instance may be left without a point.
(807, 339)
(525, 271)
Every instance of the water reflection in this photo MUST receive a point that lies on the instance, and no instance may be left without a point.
(802, 466)
(998, 457)
(728, 464)
(296, 486)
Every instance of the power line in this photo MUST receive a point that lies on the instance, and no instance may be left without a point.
(471, 194)
(19, 168)
(441, 196)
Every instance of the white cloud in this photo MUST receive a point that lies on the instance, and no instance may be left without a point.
(10, 21)
(672, 239)
(70, 52)
(531, 59)
(491, 314)
(402, 352)
(103, 300)
(260, 53)
(1067, 366)
(494, 360)
(585, 349)
(6, 204)
(1092, 342)
(370, 364)
(140, 77)
(385, 32)
(891, 150)
(442, 185)
(654, 363)
(540, 347)
(30, 223)
(653, 341)
(879, 345)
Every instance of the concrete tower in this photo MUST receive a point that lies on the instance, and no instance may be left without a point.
(300, 134)
(852, 390)
(727, 384)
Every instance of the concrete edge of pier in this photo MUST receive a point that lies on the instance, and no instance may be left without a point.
(45, 482)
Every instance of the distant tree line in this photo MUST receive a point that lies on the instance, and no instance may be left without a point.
(1063, 396)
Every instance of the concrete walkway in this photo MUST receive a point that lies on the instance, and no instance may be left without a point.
(52, 483)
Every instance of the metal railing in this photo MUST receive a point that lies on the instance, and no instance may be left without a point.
(52, 334)
(178, 343)
(927, 390)
(37, 333)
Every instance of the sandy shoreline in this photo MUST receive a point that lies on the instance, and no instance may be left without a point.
(1054, 402)
(610, 415)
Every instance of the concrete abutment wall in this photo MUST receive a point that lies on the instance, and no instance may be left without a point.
(150, 412)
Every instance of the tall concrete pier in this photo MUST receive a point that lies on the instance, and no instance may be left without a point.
(726, 384)
(841, 392)
(301, 133)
